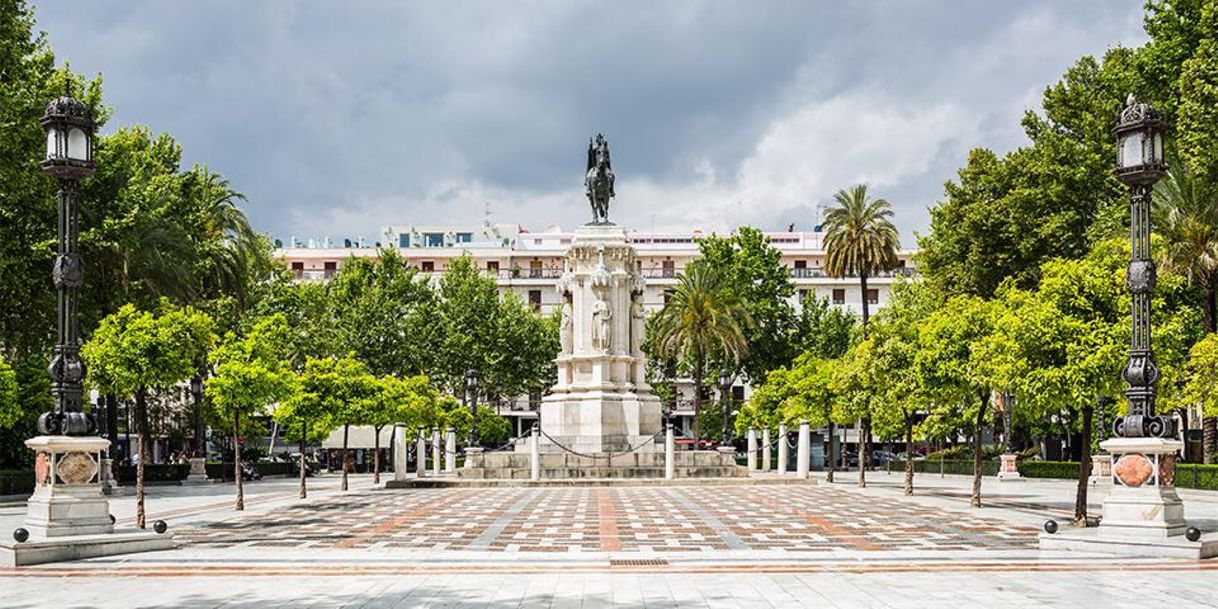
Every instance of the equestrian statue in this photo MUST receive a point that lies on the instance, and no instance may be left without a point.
(599, 181)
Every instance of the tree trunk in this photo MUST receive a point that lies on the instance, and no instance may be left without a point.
(376, 454)
(304, 493)
(832, 460)
(1084, 468)
(343, 460)
(112, 424)
(985, 401)
(141, 451)
(866, 307)
(909, 462)
(237, 462)
(1209, 306)
(864, 448)
(697, 404)
(1209, 438)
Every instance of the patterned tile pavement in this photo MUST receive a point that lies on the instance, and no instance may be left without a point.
(790, 518)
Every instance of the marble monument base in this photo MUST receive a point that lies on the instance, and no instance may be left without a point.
(68, 516)
(198, 471)
(1142, 515)
(1008, 469)
(599, 421)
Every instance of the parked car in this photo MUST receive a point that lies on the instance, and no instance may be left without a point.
(882, 457)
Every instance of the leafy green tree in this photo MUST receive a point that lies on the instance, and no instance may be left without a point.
(522, 357)
(374, 301)
(856, 396)
(493, 429)
(465, 313)
(824, 331)
(250, 374)
(753, 270)
(1198, 110)
(860, 238)
(703, 321)
(306, 417)
(10, 407)
(348, 393)
(410, 401)
(1202, 387)
(950, 361)
(134, 352)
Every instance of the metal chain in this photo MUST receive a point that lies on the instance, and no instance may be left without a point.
(605, 456)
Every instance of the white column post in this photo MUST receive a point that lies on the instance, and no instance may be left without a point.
(803, 451)
(400, 451)
(782, 449)
(535, 453)
(752, 445)
(420, 455)
(765, 449)
(670, 456)
(450, 451)
(435, 451)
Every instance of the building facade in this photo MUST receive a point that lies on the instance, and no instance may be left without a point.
(530, 264)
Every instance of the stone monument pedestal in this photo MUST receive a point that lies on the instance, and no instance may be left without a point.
(198, 471)
(1142, 515)
(1101, 470)
(68, 517)
(1008, 467)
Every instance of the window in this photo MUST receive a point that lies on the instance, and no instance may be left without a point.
(433, 239)
(492, 266)
(873, 296)
(465, 237)
(403, 239)
(803, 295)
(535, 269)
(668, 269)
(330, 269)
(667, 296)
(535, 299)
(428, 266)
(298, 269)
(534, 399)
(839, 296)
(801, 264)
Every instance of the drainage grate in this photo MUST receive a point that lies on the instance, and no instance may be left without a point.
(639, 562)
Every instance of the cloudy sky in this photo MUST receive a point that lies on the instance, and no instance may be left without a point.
(338, 118)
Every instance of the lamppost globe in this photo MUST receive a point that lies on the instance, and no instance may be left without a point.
(69, 133)
(1140, 144)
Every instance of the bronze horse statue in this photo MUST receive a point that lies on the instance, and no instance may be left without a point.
(599, 181)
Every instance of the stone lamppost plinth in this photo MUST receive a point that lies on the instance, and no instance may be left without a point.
(1143, 514)
(68, 516)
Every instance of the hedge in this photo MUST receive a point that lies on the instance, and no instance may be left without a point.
(16, 482)
(224, 471)
(949, 466)
(1031, 468)
(1188, 475)
(153, 473)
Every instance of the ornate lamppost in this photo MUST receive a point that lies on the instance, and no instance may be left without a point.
(196, 391)
(69, 159)
(725, 386)
(472, 381)
(1139, 165)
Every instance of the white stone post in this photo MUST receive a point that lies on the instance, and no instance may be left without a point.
(420, 455)
(535, 453)
(782, 449)
(765, 449)
(401, 450)
(752, 445)
(670, 456)
(450, 451)
(803, 451)
(435, 451)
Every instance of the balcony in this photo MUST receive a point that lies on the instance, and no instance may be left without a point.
(816, 273)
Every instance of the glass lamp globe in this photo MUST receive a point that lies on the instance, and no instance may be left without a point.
(1140, 144)
(69, 139)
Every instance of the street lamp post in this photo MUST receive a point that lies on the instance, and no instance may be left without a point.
(1139, 165)
(196, 391)
(725, 385)
(69, 159)
(472, 381)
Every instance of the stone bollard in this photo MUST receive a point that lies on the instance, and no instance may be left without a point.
(802, 451)
(420, 455)
(450, 451)
(535, 453)
(400, 451)
(782, 449)
(435, 451)
(670, 453)
(752, 447)
(765, 449)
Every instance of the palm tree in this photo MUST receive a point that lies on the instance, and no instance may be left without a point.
(860, 238)
(703, 319)
(1186, 216)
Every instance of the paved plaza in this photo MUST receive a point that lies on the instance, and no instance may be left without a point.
(755, 545)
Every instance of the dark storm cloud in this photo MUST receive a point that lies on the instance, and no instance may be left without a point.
(339, 118)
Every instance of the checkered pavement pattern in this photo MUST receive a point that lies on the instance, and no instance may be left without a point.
(794, 518)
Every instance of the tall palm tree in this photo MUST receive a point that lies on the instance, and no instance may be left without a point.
(703, 319)
(1186, 216)
(860, 238)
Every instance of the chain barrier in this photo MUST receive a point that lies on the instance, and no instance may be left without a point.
(605, 456)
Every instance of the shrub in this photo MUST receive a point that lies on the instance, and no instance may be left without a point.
(1031, 468)
(153, 473)
(947, 466)
(16, 482)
